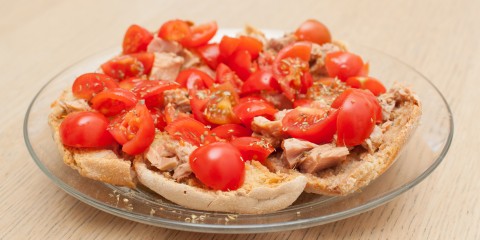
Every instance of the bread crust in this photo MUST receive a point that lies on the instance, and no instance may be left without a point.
(362, 167)
(262, 191)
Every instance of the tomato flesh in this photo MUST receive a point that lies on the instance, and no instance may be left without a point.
(218, 166)
(136, 39)
(113, 101)
(152, 91)
(194, 79)
(368, 83)
(89, 84)
(210, 54)
(219, 108)
(252, 148)
(201, 34)
(247, 110)
(190, 130)
(85, 129)
(343, 65)
(231, 131)
(261, 80)
(338, 102)
(175, 30)
(314, 125)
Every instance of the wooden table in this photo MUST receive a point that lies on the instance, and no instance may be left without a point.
(440, 38)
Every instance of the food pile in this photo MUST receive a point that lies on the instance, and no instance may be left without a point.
(242, 125)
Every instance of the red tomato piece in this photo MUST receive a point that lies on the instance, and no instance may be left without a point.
(158, 118)
(201, 34)
(89, 84)
(176, 30)
(251, 98)
(343, 65)
(253, 148)
(152, 91)
(365, 70)
(210, 54)
(190, 130)
(251, 45)
(231, 131)
(338, 102)
(261, 80)
(219, 108)
(302, 103)
(85, 129)
(172, 114)
(130, 65)
(368, 83)
(131, 83)
(290, 67)
(314, 125)
(313, 31)
(135, 130)
(218, 166)
(136, 39)
(228, 45)
(246, 111)
(198, 103)
(225, 74)
(113, 101)
(241, 63)
(194, 79)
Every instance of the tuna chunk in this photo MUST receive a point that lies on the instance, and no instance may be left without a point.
(322, 157)
(179, 98)
(294, 150)
(276, 44)
(317, 57)
(158, 45)
(191, 59)
(182, 171)
(166, 66)
(271, 131)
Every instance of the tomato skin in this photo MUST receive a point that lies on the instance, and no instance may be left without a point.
(85, 129)
(231, 131)
(136, 39)
(313, 31)
(319, 128)
(252, 45)
(368, 83)
(190, 130)
(246, 111)
(158, 118)
(225, 74)
(219, 166)
(201, 34)
(198, 102)
(89, 84)
(130, 65)
(343, 65)
(152, 91)
(210, 54)
(113, 101)
(302, 103)
(338, 102)
(175, 30)
(241, 63)
(131, 83)
(227, 46)
(135, 130)
(252, 148)
(219, 108)
(194, 79)
(260, 80)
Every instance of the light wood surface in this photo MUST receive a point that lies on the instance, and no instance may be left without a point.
(39, 38)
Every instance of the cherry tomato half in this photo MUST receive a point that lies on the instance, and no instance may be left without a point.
(201, 34)
(314, 125)
(368, 83)
(219, 166)
(247, 110)
(261, 80)
(338, 102)
(152, 91)
(313, 31)
(194, 79)
(252, 148)
(89, 84)
(190, 130)
(130, 65)
(225, 74)
(231, 131)
(135, 130)
(343, 65)
(219, 108)
(85, 129)
(210, 54)
(136, 39)
(175, 30)
(113, 101)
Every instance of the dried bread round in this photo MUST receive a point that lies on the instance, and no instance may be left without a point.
(262, 191)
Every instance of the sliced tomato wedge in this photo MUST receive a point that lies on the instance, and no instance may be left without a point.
(291, 66)
(176, 30)
(131, 83)
(259, 81)
(219, 108)
(246, 111)
(314, 125)
(231, 131)
(343, 65)
(253, 148)
(241, 63)
(251, 45)
(152, 91)
(158, 118)
(190, 130)
(89, 84)
(210, 54)
(201, 34)
(227, 46)
(194, 79)
(135, 130)
(198, 103)
(113, 101)
(136, 39)
(251, 98)
(225, 74)
(302, 103)
(338, 102)
(130, 65)
(368, 83)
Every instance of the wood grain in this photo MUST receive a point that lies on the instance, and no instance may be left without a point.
(39, 38)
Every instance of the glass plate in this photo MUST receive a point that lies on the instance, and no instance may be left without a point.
(423, 153)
